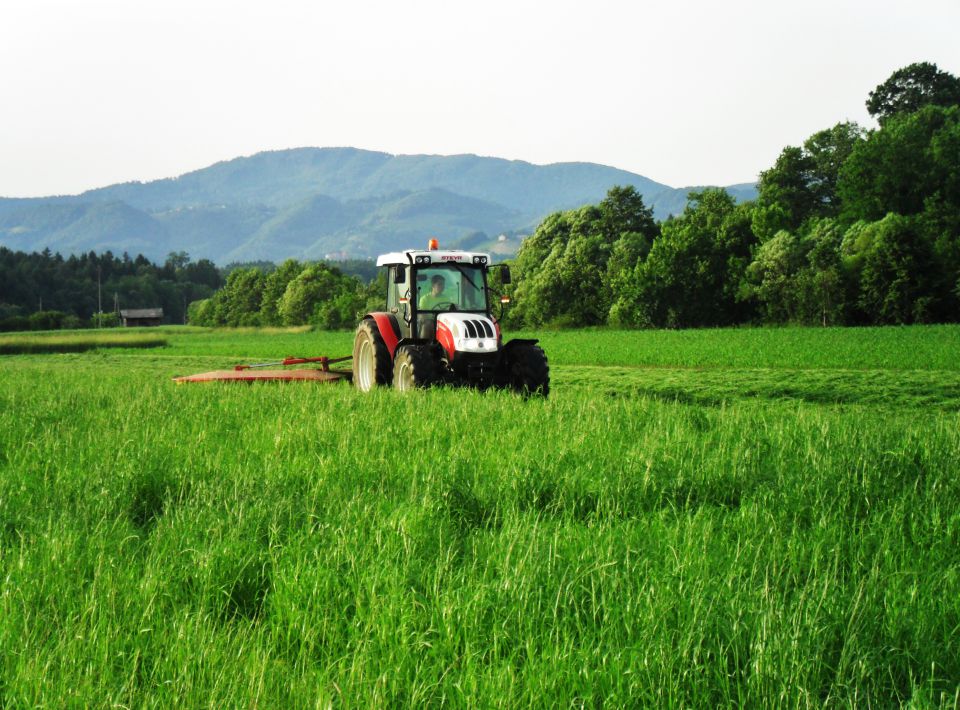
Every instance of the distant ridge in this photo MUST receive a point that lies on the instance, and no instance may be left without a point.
(311, 202)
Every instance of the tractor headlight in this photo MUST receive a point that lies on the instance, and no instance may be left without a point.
(422, 259)
(479, 260)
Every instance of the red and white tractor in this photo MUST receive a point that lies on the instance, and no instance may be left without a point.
(439, 328)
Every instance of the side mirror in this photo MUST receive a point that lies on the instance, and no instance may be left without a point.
(504, 274)
(400, 274)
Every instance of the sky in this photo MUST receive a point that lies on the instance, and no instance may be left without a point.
(685, 93)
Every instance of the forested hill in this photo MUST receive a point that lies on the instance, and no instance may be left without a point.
(315, 202)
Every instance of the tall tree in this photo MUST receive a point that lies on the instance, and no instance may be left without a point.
(623, 211)
(802, 184)
(692, 273)
(772, 277)
(910, 160)
(911, 88)
(238, 302)
(563, 271)
(274, 288)
(821, 284)
(895, 284)
(320, 294)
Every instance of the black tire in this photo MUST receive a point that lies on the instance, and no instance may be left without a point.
(529, 371)
(372, 366)
(413, 368)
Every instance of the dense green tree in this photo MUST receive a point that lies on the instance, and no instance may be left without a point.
(552, 232)
(823, 290)
(802, 184)
(177, 261)
(105, 320)
(566, 272)
(343, 310)
(800, 278)
(911, 88)
(274, 288)
(692, 273)
(628, 253)
(902, 166)
(202, 313)
(895, 272)
(911, 167)
(560, 276)
(322, 295)
(828, 150)
(735, 244)
(238, 302)
(203, 272)
(786, 196)
(47, 320)
(375, 293)
(772, 276)
(622, 211)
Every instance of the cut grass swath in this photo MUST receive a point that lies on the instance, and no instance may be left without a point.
(76, 343)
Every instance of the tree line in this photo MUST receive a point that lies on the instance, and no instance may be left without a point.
(44, 291)
(294, 293)
(853, 227)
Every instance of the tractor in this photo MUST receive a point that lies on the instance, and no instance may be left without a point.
(439, 328)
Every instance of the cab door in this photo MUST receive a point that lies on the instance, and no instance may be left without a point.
(396, 292)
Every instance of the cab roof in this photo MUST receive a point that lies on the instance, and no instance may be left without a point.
(409, 256)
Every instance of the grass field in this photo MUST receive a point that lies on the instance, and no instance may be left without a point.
(768, 518)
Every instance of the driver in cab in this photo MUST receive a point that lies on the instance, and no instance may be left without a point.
(435, 296)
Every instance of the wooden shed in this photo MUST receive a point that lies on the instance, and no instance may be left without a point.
(138, 317)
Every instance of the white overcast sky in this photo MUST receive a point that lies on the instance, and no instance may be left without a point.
(105, 91)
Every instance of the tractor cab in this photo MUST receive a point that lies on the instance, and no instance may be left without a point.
(439, 328)
(422, 285)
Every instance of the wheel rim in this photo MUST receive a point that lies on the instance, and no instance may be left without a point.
(365, 366)
(404, 377)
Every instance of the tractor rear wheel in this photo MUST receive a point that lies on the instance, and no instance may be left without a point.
(529, 371)
(413, 368)
(371, 359)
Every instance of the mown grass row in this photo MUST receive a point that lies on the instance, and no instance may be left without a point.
(292, 545)
(907, 348)
(875, 348)
(76, 342)
(712, 387)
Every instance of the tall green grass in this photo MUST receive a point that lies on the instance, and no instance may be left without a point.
(629, 542)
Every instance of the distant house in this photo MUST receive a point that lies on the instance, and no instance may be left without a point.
(137, 317)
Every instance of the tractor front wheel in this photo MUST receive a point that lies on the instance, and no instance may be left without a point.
(529, 371)
(413, 368)
(371, 359)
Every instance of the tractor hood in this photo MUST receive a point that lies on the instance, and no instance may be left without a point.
(466, 332)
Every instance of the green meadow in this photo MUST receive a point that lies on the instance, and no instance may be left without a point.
(701, 518)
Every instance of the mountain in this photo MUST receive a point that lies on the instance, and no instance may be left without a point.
(314, 202)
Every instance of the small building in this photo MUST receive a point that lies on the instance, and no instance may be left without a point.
(138, 317)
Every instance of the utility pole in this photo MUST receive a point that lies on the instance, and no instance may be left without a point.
(99, 300)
